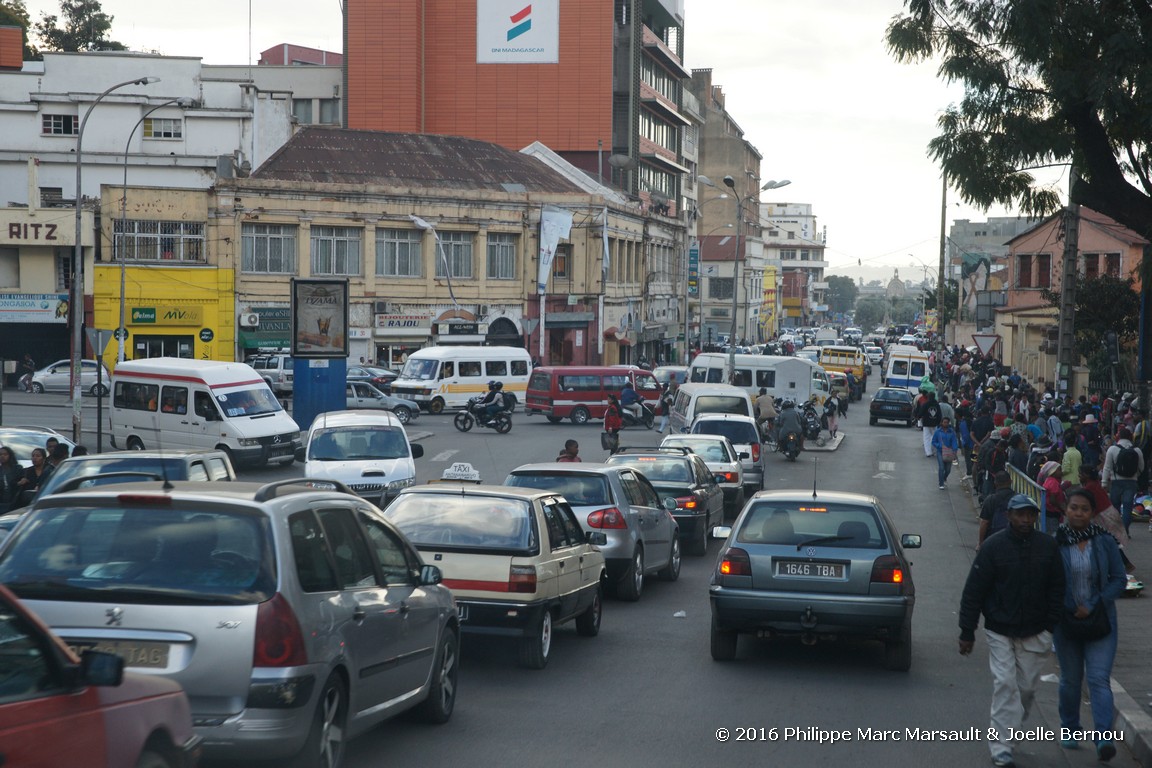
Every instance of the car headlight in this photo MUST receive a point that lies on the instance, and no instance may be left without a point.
(248, 442)
(399, 485)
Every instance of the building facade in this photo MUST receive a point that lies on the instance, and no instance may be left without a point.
(796, 247)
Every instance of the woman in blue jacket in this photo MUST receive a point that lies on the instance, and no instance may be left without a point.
(1094, 575)
(947, 446)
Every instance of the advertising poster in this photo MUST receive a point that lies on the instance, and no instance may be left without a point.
(319, 318)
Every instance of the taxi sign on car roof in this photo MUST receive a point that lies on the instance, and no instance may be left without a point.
(461, 471)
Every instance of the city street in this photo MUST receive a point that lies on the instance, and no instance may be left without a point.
(646, 691)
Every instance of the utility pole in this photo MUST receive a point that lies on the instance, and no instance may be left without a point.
(1065, 357)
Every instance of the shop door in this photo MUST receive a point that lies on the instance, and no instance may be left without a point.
(163, 346)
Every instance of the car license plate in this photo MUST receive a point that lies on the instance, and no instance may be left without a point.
(141, 654)
(803, 569)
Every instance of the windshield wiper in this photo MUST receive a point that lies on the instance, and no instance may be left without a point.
(820, 539)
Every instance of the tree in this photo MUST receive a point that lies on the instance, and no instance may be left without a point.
(1044, 83)
(950, 299)
(841, 294)
(85, 28)
(14, 13)
(1103, 304)
(870, 311)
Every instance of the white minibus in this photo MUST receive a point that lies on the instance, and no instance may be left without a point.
(445, 377)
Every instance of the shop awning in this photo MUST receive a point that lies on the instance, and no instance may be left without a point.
(265, 339)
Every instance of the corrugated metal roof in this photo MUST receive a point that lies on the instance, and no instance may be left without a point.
(381, 158)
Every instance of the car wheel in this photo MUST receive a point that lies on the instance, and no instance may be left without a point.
(325, 745)
(150, 759)
(463, 421)
(737, 505)
(437, 708)
(671, 572)
(37, 387)
(723, 643)
(632, 580)
(436, 406)
(99, 390)
(534, 649)
(580, 416)
(135, 444)
(898, 653)
(403, 414)
(553, 419)
(872, 421)
(588, 623)
(699, 545)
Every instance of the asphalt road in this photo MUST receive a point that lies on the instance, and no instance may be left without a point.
(647, 693)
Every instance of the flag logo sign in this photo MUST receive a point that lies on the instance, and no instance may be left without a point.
(522, 20)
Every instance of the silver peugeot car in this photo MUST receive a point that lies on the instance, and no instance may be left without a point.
(294, 618)
(814, 565)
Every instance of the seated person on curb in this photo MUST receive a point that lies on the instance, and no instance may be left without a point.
(630, 400)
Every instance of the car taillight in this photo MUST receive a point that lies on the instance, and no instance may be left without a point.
(607, 518)
(756, 452)
(735, 563)
(279, 641)
(687, 502)
(887, 570)
(522, 578)
(729, 477)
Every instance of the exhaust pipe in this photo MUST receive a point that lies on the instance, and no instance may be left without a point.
(809, 638)
(808, 619)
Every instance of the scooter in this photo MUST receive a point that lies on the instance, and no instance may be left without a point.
(476, 413)
(789, 445)
(646, 420)
(811, 422)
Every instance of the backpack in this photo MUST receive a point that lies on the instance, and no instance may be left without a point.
(1127, 462)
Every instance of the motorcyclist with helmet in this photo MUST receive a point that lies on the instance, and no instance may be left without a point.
(789, 420)
(493, 402)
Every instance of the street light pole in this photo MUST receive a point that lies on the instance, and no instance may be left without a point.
(77, 303)
(121, 329)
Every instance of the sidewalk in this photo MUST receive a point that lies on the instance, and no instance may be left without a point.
(1131, 672)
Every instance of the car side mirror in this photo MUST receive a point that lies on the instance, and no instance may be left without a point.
(721, 531)
(417, 450)
(100, 668)
(910, 541)
(670, 503)
(430, 575)
(596, 538)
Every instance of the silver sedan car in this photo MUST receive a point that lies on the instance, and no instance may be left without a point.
(361, 394)
(57, 377)
(813, 566)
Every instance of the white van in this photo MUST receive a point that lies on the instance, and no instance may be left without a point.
(691, 400)
(905, 367)
(445, 377)
(170, 402)
(783, 376)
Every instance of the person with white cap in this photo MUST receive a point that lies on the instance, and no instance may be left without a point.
(1017, 582)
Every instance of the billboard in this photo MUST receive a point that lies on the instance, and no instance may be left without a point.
(517, 31)
(319, 318)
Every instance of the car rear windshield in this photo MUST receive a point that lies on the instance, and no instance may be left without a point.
(445, 521)
(722, 404)
(709, 450)
(99, 471)
(814, 523)
(142, 553)
(894, 394)
(581, 490)
(357, 444)
(658, 469)
(541, 381)
(738, 433)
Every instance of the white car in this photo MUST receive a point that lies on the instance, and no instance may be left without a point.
(57, 377)
(722, 459)
(874, 354)
(368, 451)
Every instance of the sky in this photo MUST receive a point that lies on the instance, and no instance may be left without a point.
(811, 84)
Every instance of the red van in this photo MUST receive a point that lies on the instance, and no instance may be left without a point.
(581, 392)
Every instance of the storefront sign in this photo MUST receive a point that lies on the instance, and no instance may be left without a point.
(206, 335)
(181, 316)
(144, 315)
(403, 321)
(516, 32)
(49, 228)
(462, 329)
(33, 307)
(275, 331)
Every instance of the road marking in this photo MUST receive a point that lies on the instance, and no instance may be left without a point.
(886, 466)
(444, 456)
(882, 476)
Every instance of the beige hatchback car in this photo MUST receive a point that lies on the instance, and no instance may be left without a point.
(516, 560)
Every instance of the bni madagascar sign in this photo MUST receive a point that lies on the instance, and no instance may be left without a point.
(517, 31)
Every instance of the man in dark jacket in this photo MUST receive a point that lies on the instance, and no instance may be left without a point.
(930, 415)
(1017, 583)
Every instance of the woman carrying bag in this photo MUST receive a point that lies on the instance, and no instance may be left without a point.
(1086, 636)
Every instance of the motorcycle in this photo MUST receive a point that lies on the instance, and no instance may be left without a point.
(811, 421)
(476, 413)
(789, 445)
(646, 420)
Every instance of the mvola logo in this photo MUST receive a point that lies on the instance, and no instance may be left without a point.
(522, 22)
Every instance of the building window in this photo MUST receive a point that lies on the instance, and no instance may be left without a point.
(1091, 266)
(163, 128)
(63, 272)
(562, 262)
(501, 256)
(139, 240)
(51, 197)
(720, 288)
(458, 253)
(268, 248)
(787, 254)
(398, 252)
(59, 125)
(335, 251)
(330, 111)
(1023, 270)
(302, 110)
(1043, 270)
(1112, 264)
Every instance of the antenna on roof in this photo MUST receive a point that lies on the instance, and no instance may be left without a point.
(814, 460)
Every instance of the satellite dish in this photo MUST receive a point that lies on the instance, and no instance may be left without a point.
(621, 161)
